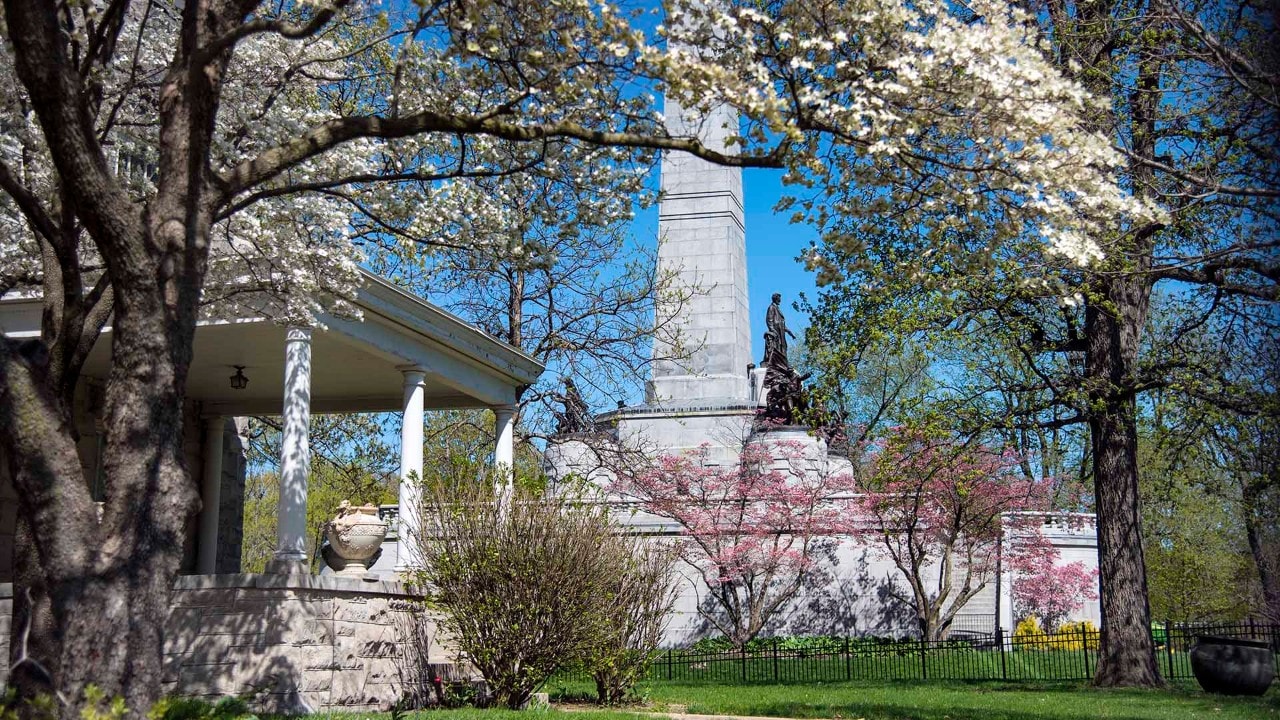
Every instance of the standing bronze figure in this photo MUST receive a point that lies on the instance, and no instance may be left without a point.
(785, 399)
(775, 335)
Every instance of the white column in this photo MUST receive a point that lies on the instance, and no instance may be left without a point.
(409, 554)
(210, 488)
(504, 450)
(295, 455)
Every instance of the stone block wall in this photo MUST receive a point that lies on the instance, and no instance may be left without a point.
(231, 497)
(297, 643)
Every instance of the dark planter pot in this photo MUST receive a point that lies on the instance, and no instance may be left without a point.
(1231, 666)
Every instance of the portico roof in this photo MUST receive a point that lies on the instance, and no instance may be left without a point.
(357, 365)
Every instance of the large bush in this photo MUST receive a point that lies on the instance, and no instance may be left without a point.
(526, 585)
(642, 594)
(1081, 635)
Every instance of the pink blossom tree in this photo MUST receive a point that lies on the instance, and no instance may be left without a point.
(1045, 588)
(755, 532)
(937, 509)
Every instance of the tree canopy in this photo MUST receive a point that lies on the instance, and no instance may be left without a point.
(166, 160)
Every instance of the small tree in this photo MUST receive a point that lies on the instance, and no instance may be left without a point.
(934, 508)
(754, 531)
(1045, 589)
(524, 586)
(644, 590)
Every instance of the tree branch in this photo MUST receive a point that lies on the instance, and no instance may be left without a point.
(339, 130)
(29, 204)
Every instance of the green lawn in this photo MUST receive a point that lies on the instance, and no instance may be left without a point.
(907, 700)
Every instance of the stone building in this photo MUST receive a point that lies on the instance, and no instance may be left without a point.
(304, 642)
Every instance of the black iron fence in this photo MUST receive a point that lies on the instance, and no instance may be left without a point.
(1071, 655)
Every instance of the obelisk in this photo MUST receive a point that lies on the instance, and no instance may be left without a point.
(702, 340)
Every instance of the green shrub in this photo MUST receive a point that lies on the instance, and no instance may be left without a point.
(642, 593)
(184, 708)
(526, 586)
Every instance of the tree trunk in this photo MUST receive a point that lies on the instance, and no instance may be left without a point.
(1264, 543)
(102, 588)
(1126, 657)
(106, 583)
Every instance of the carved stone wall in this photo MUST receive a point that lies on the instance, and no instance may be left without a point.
(298, 643)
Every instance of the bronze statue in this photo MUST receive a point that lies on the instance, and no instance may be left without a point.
(775, 335)
(576, 417)
(785, 399)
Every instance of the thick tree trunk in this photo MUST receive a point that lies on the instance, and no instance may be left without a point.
(1113, 327)
(152, 500)
(1266, 556)
(102, 588)
(1264, 538)
(106, 583)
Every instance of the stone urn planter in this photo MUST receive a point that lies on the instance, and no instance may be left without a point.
(1232, 666)
(355, 539)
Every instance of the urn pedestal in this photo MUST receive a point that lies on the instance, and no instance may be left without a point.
(1232, 666)
(355, 539)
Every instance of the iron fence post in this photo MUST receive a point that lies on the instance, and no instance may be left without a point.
(1168, 646)
(924, 654)
(1004, 669)
(743, 654)
(775, 659)
(1084, 648)
(669, 663)
(848, 661)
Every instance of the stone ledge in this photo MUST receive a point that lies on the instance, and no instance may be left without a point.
(6, 590)
(266, 581)
(673, 409)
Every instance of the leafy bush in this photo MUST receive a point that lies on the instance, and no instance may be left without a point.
(641, 598)
(1028, 627)
(526, 586)
(181, 708)
(1028, 635)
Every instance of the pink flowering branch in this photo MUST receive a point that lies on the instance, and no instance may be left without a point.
(753, 531)
(937, 509)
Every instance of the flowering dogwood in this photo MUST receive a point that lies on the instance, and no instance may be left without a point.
(938, 510)
(1050, 591)
(755, 531)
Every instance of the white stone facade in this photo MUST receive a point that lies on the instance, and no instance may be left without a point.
(702, 342)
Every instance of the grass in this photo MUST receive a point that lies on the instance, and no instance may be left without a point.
(939, 700)
(893, 662)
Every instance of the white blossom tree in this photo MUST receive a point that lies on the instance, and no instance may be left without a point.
(1059, 350)
(159, 156)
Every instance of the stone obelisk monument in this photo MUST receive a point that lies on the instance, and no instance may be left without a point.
(702, 341)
